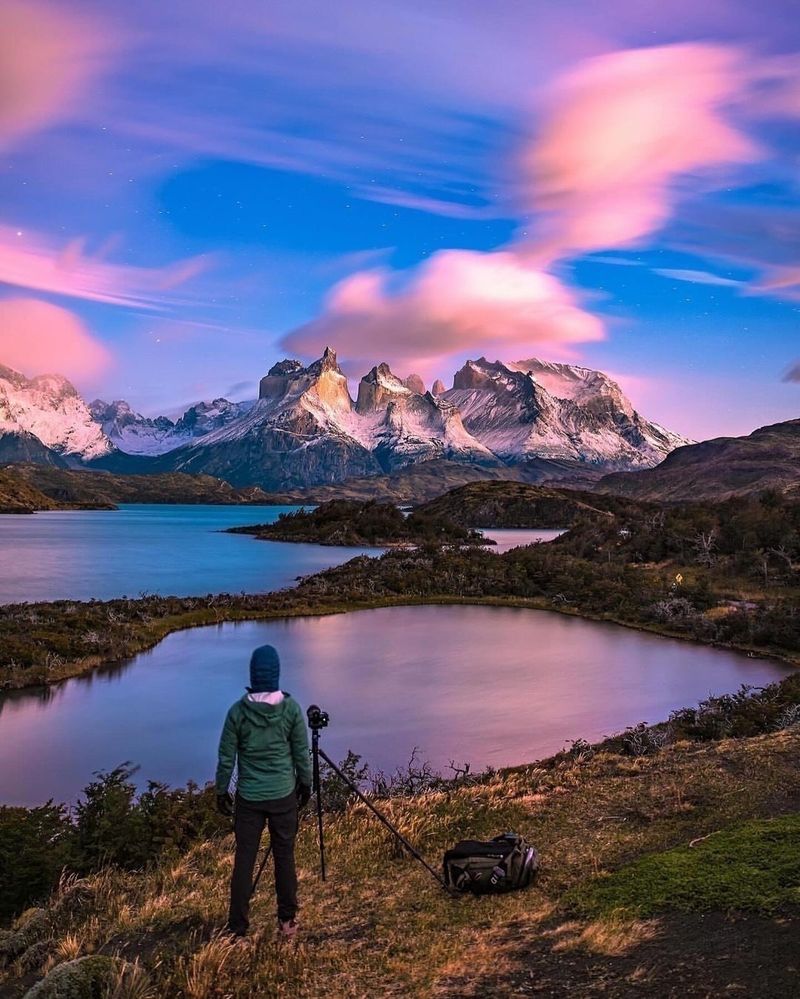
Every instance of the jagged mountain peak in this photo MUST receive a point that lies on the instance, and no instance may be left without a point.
(438, 387)
(582, 385)
(379, 388)
(327, 361)
(132, 433)
(538, 409)
(288, 366)
(322, 381)
(415, 384)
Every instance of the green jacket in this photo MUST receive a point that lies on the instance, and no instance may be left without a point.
(270, 744)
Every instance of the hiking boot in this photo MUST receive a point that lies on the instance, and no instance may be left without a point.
(287, 929)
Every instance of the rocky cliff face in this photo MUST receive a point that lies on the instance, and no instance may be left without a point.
(49, 409)
(402, 426)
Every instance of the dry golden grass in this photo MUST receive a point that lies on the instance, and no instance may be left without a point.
(68, 948)
(613, 938)
(380, 926)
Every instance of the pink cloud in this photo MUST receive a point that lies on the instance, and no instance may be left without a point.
(38, 337)
(33, 261)
(619, 132)
(48, 58)
(457, 300)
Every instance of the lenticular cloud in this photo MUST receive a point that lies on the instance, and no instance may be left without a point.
(619, 132)
(451, 302)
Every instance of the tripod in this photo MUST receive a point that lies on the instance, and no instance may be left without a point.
(317, 720)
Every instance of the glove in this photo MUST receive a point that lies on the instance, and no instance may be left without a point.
(303, 792)
(225, 804)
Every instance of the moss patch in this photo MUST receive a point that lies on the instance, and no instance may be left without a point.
(754, 866)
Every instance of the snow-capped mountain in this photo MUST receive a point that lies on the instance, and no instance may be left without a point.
(49, 409)
(563, 412)
(402, 425)
(305, 428)
(302, 430)
(133, 433)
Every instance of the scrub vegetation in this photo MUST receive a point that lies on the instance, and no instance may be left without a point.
(349, 522)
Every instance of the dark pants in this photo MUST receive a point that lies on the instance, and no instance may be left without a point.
(248, 825)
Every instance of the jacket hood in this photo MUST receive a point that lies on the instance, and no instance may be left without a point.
(262, 714)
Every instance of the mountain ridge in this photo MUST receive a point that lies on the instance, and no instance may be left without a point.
(305, 430)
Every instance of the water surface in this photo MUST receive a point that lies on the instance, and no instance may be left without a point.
(150, 548)
(507, 538)
(493, 686)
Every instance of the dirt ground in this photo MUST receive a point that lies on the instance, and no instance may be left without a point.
(681, 956)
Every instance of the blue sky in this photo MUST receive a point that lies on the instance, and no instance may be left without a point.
(190, 191)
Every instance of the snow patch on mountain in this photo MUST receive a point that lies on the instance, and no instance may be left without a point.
(536, 409)
(403, 426)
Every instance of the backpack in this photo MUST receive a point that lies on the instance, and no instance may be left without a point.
(502, 864)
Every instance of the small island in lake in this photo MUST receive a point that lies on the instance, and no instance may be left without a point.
(353, 523)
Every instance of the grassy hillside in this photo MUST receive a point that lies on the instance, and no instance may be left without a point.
(611, 915)
(91, 489)
(768, 459)
(17, 495)
(512, 504)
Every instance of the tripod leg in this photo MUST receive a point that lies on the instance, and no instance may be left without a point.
(395, 832)
(267, 853)
(318, 792)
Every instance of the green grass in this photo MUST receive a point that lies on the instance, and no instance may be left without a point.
(754, 866)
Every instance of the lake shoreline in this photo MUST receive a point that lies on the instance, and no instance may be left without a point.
(156, 632)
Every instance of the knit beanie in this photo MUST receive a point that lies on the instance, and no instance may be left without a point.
(265, 670)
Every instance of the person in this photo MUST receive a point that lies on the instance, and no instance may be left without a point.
(265, 734)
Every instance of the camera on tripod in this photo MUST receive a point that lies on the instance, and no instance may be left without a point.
(317, 718)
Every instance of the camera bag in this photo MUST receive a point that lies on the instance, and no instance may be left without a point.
(502, 864)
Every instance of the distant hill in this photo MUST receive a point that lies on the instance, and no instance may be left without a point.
(18, 496)
(66, 488)
(769, 458)
(512, 504)
(427, 480)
